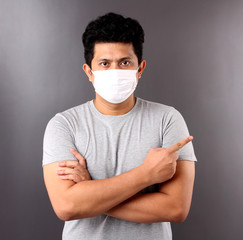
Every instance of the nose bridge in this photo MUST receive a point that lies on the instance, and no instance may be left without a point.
(115, 64)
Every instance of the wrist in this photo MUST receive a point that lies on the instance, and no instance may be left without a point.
(144, 174)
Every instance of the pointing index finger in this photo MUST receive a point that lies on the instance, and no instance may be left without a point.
(180, 144)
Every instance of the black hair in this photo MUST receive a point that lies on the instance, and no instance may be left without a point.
(110, 28)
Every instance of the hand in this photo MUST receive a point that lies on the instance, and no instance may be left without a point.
(74, 170)
(160, 163)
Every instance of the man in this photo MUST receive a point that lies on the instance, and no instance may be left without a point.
(135, 168)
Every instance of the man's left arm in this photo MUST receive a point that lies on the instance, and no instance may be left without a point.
(171, 204)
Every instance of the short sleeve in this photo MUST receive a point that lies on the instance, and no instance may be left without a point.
(174, 130)
(58, 139)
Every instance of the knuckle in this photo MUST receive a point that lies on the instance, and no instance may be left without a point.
(171, 161)
(82, 178)
(80, 167)
(166, 153)
(152, 150)
(75, 178)
(76, 172)
(75, 164)
(62, 164)
(179, 145)
(161, 150)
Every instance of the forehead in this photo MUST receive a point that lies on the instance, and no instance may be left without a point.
(113, 50)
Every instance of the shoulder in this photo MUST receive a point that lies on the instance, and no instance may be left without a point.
(74, 112)
(158, 108)
(70, 117)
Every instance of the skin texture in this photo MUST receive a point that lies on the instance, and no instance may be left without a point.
(176, 193)
(74, 195)
(73, 170)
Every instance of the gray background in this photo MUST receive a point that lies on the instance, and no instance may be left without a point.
(194, 53)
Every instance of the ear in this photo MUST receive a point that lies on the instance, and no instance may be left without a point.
(88, 72)
(141, 68)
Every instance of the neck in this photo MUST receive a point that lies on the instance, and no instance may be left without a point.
(108, 108)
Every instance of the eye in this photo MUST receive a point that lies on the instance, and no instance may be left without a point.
(104, 64)
(125, 63)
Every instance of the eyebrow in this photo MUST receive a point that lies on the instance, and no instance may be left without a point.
(109, 60)
(125, 58)
(103, 59)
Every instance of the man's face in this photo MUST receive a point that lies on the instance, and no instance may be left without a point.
(109, 56)
(114, 56)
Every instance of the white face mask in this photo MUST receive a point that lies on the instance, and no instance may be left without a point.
(115, 85)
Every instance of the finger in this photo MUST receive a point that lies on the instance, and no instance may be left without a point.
(79, 157)
(66, 171)
(82, 162)
(74, 177)
(68, 163)
(180, 144)
(67, 177)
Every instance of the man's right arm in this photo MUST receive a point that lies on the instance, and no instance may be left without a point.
(90, 198)
(93, 197)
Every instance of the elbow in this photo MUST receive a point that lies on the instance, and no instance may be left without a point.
(64, 216)
(180, 214)
(64, 212)
(179, 218)
(67, 212)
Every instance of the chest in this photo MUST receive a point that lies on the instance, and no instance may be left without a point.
(115, 148)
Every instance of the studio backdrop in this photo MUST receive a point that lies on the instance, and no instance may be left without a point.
(194, 53)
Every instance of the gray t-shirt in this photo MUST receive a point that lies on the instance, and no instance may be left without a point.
(111, 146)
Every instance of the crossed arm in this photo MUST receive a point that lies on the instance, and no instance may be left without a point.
(119, 197)
(170, 204)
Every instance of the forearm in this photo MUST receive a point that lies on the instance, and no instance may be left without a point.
(146, 208)
(94, 197)
(171, 203)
